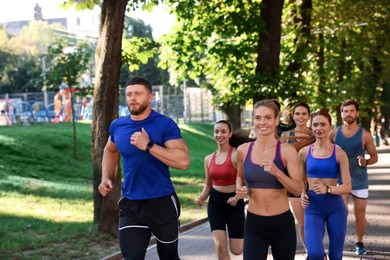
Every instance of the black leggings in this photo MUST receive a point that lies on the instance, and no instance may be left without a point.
(134, 241)
(277, 231)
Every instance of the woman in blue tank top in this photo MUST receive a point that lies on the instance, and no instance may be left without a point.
(322, 163)
(268, 169)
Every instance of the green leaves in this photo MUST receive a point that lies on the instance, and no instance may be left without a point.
(138, 50)
(67, 62)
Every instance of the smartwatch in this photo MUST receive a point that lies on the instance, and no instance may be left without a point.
(149, 146)
(328, 190)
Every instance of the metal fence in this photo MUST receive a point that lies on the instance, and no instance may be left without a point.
(195, 106)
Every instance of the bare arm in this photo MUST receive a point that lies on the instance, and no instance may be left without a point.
(109, 167)
(208, 184)
(369, 146)
(332, 135)
(241, 189)
(175, 154)
(346, 185)
(302, 165)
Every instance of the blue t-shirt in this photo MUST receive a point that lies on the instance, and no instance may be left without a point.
(145, 177)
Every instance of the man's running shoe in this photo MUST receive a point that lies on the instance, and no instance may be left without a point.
(359, 248)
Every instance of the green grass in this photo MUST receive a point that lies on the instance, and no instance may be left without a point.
(46, 197)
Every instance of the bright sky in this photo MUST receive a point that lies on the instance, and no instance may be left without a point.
(21, 10)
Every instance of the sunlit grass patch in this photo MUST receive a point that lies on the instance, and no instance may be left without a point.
(46, 196)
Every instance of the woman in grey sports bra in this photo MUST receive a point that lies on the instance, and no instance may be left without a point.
(268, 169)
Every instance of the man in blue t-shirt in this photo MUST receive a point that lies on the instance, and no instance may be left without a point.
(356, 141)
(149, 144)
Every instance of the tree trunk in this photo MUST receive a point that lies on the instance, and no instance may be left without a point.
(268, 48)
(302, 25)
(105, 107)
(321, 92)
(340, 78)
(233, 114)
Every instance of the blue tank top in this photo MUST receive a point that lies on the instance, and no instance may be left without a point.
(255, 175)
(353, 146)
(322, 167)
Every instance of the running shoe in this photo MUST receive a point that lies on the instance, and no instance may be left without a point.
(359, 248)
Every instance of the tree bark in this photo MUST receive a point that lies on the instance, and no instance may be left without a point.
(105, 108)
(268, 48)
(321, 92)
(233, 114)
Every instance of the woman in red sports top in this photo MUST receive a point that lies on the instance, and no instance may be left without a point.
(223, 209)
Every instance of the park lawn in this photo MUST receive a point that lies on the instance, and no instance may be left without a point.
(46, 196)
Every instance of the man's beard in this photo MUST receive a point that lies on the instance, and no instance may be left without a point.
(140, 110)
(350, 120)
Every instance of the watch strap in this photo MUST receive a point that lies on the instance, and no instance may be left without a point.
(149, 146)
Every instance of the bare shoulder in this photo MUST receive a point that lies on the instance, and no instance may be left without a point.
(242, 150)
(208, 157)
(287, 147)
(340, 151)
(284, 135)
(332, 134)
(367, 134)
(303, 152)
(243, 147)
(288, 150)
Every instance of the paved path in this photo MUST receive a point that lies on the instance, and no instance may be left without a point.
(197, 243)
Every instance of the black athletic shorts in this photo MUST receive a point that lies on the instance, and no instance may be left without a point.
(161, 215)
(222, 215)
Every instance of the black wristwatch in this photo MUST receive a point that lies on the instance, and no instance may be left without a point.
(149, 146)
(328, 190)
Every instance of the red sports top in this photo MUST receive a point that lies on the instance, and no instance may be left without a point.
(223, 174)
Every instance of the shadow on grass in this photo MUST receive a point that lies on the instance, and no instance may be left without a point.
(23, 238)
(42, 188)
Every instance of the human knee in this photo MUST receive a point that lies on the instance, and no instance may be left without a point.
(360, 214)
(236, 246)
(236, 251)
(221, 245)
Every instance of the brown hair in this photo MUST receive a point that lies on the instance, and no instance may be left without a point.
(324, 113)
(269, 103)
(140, 81)
(350, 102)
(226, 123)
(301, 104)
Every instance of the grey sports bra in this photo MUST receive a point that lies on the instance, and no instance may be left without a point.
(255, 175)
